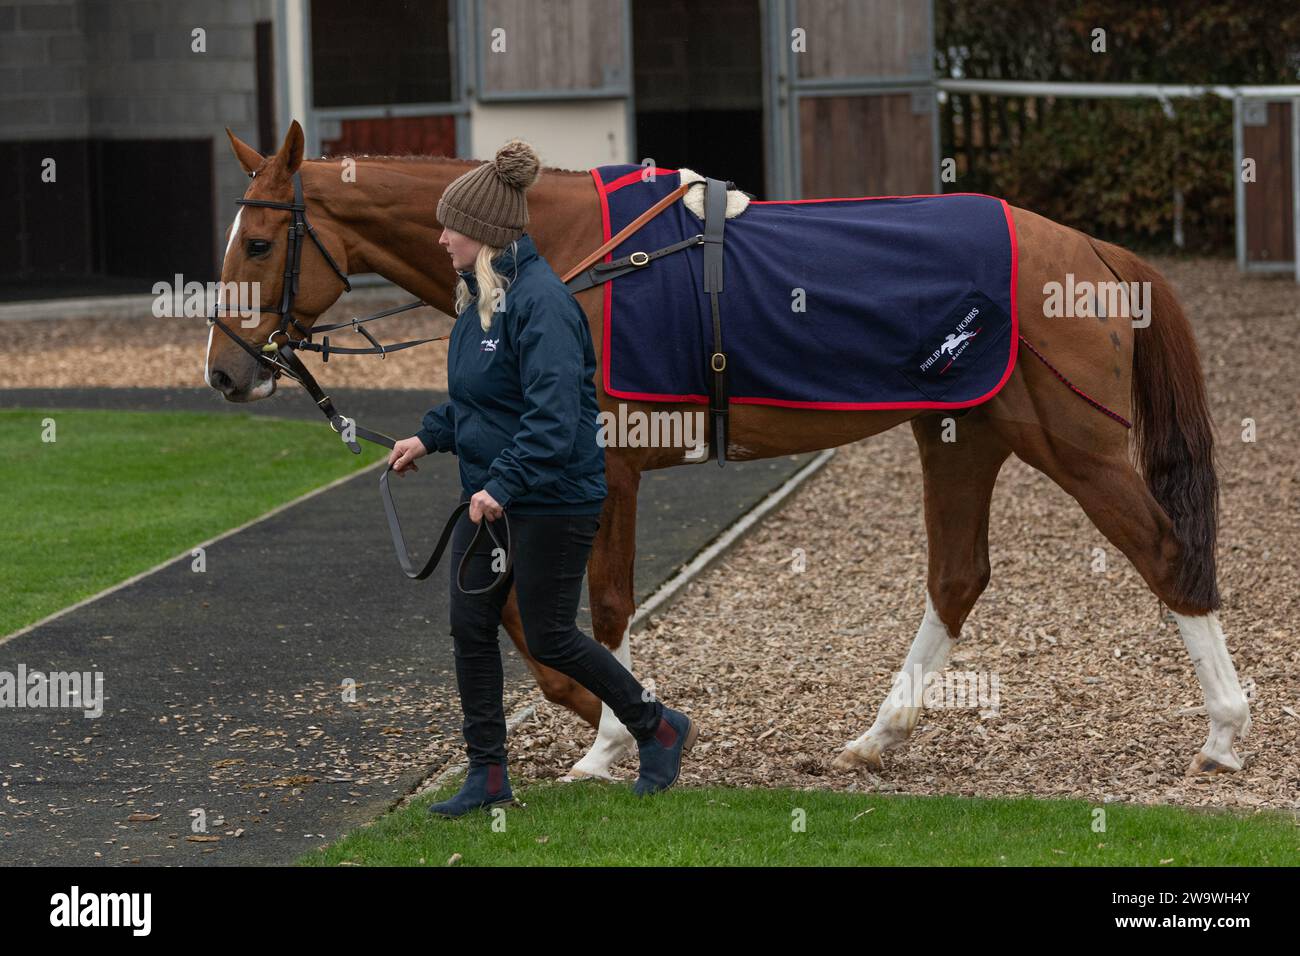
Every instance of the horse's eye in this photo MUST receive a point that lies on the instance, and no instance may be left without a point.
(258, 247)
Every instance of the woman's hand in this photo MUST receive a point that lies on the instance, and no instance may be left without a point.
(403, 455)
(481, 504)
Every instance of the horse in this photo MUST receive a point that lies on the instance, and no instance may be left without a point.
(1159, 507)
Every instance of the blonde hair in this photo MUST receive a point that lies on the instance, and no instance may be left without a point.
(489, 280)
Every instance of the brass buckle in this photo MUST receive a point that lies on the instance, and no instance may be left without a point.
(713, 362)
(639, 258)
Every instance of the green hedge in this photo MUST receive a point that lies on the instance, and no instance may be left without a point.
(1110, 168)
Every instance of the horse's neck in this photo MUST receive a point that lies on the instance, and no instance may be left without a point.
(386, 219)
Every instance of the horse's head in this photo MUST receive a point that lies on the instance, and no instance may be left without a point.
(258, 250)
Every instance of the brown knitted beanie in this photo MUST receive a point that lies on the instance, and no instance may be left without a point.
(488, 203)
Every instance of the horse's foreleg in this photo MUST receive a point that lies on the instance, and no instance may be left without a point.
(613, 602)
(958, 479)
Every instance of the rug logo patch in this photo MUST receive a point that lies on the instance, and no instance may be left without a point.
(959, 353)
(956, 342)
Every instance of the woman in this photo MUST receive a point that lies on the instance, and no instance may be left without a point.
(522, 421)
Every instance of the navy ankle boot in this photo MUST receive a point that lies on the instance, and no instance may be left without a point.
(661, 755)
(486, 785)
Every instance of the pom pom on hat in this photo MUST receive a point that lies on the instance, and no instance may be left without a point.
(517, 164)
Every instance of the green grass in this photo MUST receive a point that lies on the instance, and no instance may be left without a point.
(599, 824)
(118, 492)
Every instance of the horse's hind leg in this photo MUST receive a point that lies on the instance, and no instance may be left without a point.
(1115, 497)
(958, 478)
(1225, 703)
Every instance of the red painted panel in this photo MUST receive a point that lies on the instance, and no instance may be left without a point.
(394, 136)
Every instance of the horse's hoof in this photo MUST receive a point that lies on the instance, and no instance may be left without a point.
(1209, 765)
(575, 775)
(850, 759)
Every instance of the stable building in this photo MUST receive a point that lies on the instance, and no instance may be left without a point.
(128, 101)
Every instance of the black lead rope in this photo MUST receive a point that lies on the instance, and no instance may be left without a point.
(340, 424)
(289, 364)
(420, 574)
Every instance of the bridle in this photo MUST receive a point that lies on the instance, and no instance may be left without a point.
(281, 359)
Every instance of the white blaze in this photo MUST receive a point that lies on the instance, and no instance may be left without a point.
(221, 291)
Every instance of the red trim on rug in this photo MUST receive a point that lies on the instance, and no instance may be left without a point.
(780, 202)
(628, 179)
(603, 190)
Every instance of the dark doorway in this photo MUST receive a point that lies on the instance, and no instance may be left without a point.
(698, 88)
(118, 216)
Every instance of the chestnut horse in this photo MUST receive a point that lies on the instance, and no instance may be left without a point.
(1163, 518)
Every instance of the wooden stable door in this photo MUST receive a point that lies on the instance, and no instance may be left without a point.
(1266, 139)
(857, 82)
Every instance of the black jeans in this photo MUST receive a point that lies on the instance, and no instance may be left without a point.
(550, 561)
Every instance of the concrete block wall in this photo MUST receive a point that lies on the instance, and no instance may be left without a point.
(125, 69)
(43, 72)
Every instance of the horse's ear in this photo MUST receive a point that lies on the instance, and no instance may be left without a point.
(291, 151)
(248, 157)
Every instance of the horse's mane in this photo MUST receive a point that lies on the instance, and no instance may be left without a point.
(457, 160)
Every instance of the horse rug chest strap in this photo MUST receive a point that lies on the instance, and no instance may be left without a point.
(586, 275)
(715, 218)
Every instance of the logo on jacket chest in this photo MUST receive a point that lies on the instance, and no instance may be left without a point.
(489, 345)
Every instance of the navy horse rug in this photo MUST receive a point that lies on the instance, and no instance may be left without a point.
(873, 303)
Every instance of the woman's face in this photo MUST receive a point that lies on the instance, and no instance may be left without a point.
(460, 247)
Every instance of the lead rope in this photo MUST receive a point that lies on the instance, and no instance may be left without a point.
(1078, 391)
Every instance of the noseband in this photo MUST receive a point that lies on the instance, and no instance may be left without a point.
(281, 358)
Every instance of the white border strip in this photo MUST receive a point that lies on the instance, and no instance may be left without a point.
(1111, 90)
(659, 599)
(188, 551)
(368, 289)
(129, 306)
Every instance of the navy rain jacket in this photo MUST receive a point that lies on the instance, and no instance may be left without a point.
(522, 418)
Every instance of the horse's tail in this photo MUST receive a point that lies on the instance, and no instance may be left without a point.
(1172, 430)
